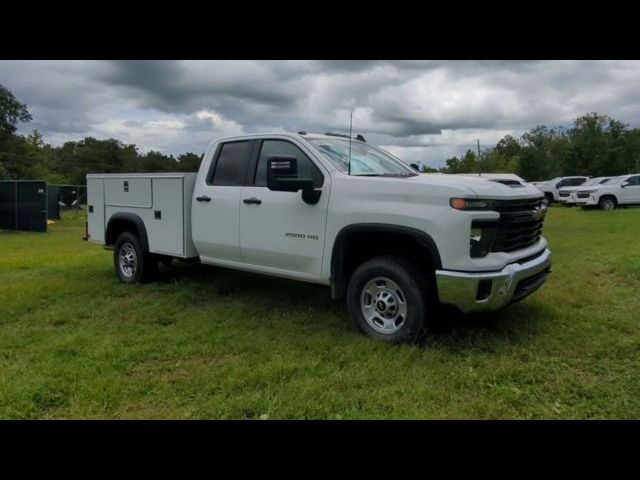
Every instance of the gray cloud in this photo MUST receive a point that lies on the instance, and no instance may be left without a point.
(423, 109)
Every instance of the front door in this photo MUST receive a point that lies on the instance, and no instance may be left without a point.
(631, 192)
(278, 230)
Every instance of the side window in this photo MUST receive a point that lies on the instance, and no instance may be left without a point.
(634, 181)
(578, 181)
(271, 148)
(231, 165)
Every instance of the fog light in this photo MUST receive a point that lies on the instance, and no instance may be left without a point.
(480, 240)
(476, 234)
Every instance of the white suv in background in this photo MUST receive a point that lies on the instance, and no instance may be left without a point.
(551, 188)
(623, 190)
(567, 195)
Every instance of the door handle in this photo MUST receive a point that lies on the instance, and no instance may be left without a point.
(252, 200)
(203, 198)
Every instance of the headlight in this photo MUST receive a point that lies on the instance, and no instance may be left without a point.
(472, 204)
(481, 240)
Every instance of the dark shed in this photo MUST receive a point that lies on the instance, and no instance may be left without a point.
(23, 205)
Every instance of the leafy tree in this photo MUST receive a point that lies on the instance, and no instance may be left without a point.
(189, 162)
(11, 112)
(466, 164)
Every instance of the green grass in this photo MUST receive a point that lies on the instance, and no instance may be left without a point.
(204, 342)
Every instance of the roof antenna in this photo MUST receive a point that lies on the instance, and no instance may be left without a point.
(479, 166)
(350, 131)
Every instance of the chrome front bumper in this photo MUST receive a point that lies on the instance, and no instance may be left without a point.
(483, 291)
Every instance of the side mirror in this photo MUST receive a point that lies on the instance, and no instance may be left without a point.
(282, 176)
(415, 166)
(624, 184)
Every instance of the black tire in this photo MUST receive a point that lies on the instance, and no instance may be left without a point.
(145, 265)
(417, 289)
(607, 203)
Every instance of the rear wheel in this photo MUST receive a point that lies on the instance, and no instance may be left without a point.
(390, 299)
(607, 203)
(132, 265)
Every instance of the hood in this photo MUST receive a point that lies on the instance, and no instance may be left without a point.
(478, 186)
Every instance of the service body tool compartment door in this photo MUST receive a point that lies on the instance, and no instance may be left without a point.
(165, 226)
(128, 192)
(95, 207)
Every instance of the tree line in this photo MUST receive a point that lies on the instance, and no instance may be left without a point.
(28, 157)
(595, 145)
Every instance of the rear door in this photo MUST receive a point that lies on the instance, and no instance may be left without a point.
(278, 230)
(215, 211)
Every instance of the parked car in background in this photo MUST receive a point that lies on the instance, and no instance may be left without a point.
(567, 196)
(551, 188)
(623, 190)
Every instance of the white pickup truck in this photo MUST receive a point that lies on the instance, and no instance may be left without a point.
(334, 211)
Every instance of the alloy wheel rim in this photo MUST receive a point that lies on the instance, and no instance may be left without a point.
(128, 260)
(383, 305)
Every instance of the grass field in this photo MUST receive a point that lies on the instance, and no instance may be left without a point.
(204, 342)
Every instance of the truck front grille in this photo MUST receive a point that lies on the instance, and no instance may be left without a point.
(519, 226)
(563, 193)
(582, 194)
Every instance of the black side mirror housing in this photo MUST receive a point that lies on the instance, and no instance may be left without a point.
(624, 184)
(282, 176)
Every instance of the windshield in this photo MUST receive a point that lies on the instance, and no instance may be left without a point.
(553, 180)
(366, 160)
(595, 181)
(607, 181)
(617, 180)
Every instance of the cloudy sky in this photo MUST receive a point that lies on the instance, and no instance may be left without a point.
(420, 110)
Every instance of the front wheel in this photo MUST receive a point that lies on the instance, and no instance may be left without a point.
(132, 265)
(607, 203)
(390, 299)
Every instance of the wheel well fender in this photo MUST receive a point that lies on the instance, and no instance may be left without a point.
(609, 195)
(121, 222)
(357, 243)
